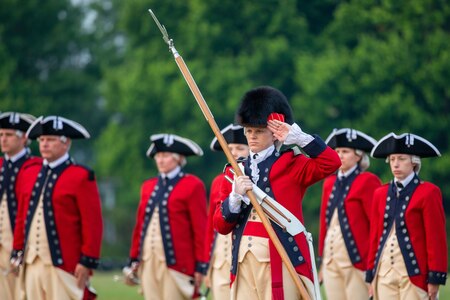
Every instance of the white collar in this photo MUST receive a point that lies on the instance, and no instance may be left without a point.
(16, 157)
(407, 180)
(262, 155)
(172, 173)
(346, 174)
(57, 162)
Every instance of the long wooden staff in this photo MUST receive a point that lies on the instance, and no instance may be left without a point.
(212, 123)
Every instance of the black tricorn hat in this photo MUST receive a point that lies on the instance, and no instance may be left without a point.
(406, 143)
(233, 134)
(55, 125)
(350, 138)
(258, 103)
(15, 120)
(164, 142)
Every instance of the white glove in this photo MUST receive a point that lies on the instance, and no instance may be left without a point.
(241, 185)
(298, 137)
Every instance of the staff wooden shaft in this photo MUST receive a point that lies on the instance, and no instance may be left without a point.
(212, 123)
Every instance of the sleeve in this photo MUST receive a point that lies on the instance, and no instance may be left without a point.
(213, 200)
(136, 236)
(24, 186)
(224, 220)
(374, 231)
(19, 228)
(326, 189)
(197, 211)
(89, 204)
(370, 185)
(322, 161)
(435, 237)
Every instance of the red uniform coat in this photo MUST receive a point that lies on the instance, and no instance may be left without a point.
(286, 178)
(420, 227)
(73, 215)
(186, 212)
(214, 199)
(7, 183)
(357, 205)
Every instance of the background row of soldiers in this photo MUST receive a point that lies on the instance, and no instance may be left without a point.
(51, 223)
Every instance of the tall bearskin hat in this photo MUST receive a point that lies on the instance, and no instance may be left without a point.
(259, 103)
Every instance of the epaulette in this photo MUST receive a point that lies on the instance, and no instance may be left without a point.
(91, 173)
(239, 160)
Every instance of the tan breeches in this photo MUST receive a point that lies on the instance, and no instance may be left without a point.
(253, 281)
(220, 282)
(46, 282)
(395, 286)
(157, 282)
(344, 283)
(7, 283)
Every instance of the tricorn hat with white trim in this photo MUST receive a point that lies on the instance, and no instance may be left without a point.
(164, 142)
(55, 125)
(406, 143)
(259, 103)
(15, 120)
(350, 138)
(233, 134)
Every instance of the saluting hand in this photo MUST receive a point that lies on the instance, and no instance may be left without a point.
(82, 275)
(279, 129)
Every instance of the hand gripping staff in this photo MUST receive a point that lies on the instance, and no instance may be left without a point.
(210, 119)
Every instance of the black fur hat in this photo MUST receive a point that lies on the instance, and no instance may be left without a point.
(258, 103)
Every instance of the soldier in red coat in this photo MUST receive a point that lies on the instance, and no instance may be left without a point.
(167, 247)
(17, 157)
(58, 232)
(283, 173)
(218, 246)
(345, 216)
(408, 244)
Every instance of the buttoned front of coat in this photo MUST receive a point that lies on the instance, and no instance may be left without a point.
(354, 211)
(182, 215)
(420, 227)
(72, 214)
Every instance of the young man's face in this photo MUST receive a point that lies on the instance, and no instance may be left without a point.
(238, 150)
(166, 161)
(10, 143)
(259, 138)
(348, 158)
(52, 147)
(401, 165)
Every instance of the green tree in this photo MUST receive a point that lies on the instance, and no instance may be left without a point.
(47, 65)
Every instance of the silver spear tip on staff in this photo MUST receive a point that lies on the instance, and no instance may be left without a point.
(163, 30)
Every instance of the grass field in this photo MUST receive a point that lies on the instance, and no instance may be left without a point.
(109, 289)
